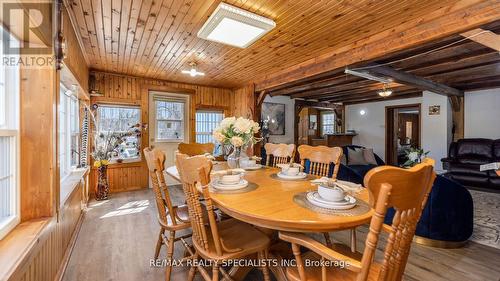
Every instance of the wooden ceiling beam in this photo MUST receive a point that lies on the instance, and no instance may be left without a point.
(374, 90)
(334, 88)
(369, 94)
(413, 80)
(438, 24)
(484, 37)
(395, 97)
(308, 86)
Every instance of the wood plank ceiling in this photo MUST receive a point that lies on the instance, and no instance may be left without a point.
(157, 38)
(453, 61)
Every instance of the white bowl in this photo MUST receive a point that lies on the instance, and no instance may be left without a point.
(291, 171)
(230, 179)
(251, 163)
(334, 194)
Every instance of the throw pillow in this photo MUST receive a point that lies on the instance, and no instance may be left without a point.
(369, 156)
(355, 157)
(343, 160)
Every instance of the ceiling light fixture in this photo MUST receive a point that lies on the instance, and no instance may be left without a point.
(193, 72)
(234, 26)
(385, 92)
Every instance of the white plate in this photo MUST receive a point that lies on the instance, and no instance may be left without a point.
(348, 204)
(346, 201)
(256, 167)
(299, 176)
(218, 185)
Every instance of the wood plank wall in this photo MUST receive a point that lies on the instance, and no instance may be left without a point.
(74, 58)
(244, 102)
(126, 90)
(46, 259)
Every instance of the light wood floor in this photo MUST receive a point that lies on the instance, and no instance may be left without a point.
(117, 239)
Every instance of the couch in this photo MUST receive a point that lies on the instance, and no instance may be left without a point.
(447, 219)
(464, 158)
(355, 173)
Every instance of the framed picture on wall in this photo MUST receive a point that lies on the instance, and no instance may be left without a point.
(274, 113)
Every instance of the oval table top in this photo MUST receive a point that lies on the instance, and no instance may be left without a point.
(271, 204)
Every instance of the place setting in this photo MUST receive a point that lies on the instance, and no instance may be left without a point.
(333, 197)
(251, 163)
(292, 171)
(231, 181)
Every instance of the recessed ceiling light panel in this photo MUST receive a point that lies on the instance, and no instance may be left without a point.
(234, 26)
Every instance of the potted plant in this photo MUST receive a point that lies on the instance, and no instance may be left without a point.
(236, 133)
(414, 156)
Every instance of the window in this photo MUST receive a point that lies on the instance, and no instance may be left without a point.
(169, 120)
(9, 143)
(206, 121)
(118, 119)
(69, 132)
(327, 122)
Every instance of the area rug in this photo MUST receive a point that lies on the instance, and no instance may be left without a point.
(486, 218)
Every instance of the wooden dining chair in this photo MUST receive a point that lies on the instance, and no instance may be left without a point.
(193, 149)
(320, 158)
(170, 217)
(280, 153)
(407, 191)
(215, 241)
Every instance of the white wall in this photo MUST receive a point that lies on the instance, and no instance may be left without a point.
(289, 119)
(482, 114)
(435, 129)
(371, 126)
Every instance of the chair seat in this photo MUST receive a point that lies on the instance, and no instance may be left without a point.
(182, 215)
(238, 239)
(334, 273)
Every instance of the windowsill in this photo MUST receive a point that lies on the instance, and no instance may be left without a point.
(69, 183)
(18, 243)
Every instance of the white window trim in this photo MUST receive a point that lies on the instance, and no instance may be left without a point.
(11, 129)
(185, 123)
(323, 125)
(68, 168)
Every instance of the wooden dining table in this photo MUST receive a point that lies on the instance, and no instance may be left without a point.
(271, 204)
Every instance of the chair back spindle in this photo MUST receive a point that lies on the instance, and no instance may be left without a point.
(407, 191)
(281, 153)
(155, 160)
(320, 158)
(194, 173)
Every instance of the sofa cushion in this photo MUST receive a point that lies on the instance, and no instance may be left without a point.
(467, 169)
(356, 157)
(369, 156)
(471, 180)
(474, 151)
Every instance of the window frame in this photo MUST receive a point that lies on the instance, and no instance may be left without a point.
(113, 160)
(65, 103)
(322, 114)
(217, 148)
(10, 128)
(184, 121)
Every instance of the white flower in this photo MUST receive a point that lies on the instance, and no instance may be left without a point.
(413, 156)
(255, 127)
(237, 141)
(219, 136)
(227, 122)
(243, 126)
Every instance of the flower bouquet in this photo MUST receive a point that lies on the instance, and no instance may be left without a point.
(414, 156)
(237, 133)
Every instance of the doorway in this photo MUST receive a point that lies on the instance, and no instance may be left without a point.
(168, 124)
(402, 132)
